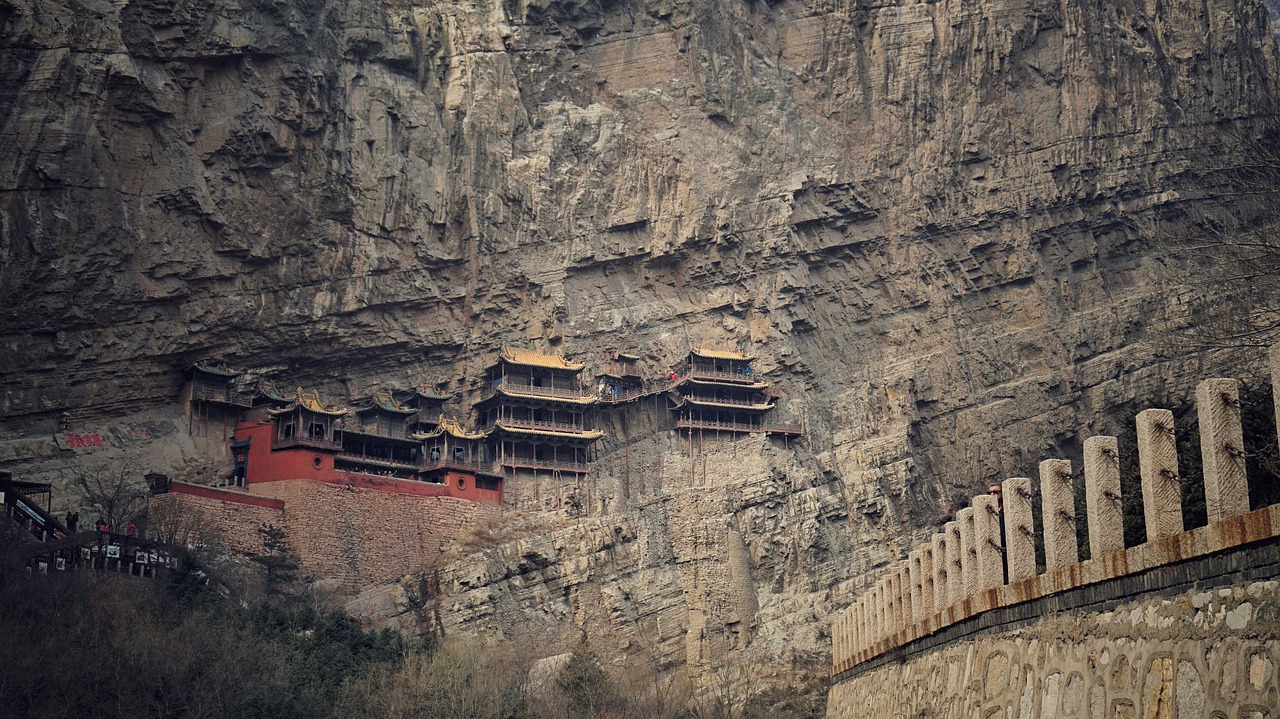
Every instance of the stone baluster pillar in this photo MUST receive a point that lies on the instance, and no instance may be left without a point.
(894, 591)
(968, 553)
(986, 539)
(1274, 356)
(882, 609)
(916, 580)
(955, 567)
(873, 615)
(1226, 490)
(1019, 536)
(941, 596)
(904, 587)
(840, 640)
(1057, 498)
(927, 590)
(1102, 496)
(1158, 465)
(860, 629)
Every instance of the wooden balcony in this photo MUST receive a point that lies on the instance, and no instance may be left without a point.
(221, 395)
(379, 431)
(710, 374)
(631, 394)
(540, 425)
(735, 427)
(320, 443)
(544, 464)
(461, 465)
(377, 461)
(738, 427)
(734, 401)
(506, 385)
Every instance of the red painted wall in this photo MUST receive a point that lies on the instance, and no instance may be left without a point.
(305, 463)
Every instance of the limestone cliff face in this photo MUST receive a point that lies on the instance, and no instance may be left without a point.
(925, 218)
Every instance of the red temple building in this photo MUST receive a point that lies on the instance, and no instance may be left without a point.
(536, 412)
(428, 404)
(455, 457)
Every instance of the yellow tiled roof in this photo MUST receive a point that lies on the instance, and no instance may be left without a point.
(310, 401)
(720, 354)
(453, 428)
(579, 434)
(534, 359)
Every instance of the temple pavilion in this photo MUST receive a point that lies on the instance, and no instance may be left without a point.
(453, 453)
(717, 391)
(212, 385)
(375, 439)
(427, 403)
(305, 422)
(536, 412)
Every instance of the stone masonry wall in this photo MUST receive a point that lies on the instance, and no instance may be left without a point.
(1210, 654)
(362, 537)
(231, 523)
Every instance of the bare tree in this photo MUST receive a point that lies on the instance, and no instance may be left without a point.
(114, 492)
(183, 524)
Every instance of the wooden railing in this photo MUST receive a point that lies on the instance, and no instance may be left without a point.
(542, 425)
(539, 391)
(689, 423)
(729, 400)
(461, 465)
(224, 395)
(630, 394)
(531, 463)
(378, 461)
(301, 441)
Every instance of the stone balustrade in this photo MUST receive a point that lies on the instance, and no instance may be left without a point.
(986, 559)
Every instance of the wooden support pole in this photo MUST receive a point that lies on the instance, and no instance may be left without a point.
(1102, 496)
(1226, 489)
(1020, 525)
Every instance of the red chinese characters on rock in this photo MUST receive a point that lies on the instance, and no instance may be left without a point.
(84, 441)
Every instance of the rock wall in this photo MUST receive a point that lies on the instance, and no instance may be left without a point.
(1208, 654)
(942, 227)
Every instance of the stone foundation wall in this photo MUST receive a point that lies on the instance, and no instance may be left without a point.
(362, 536)
(208, 517)
(1201, 655)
